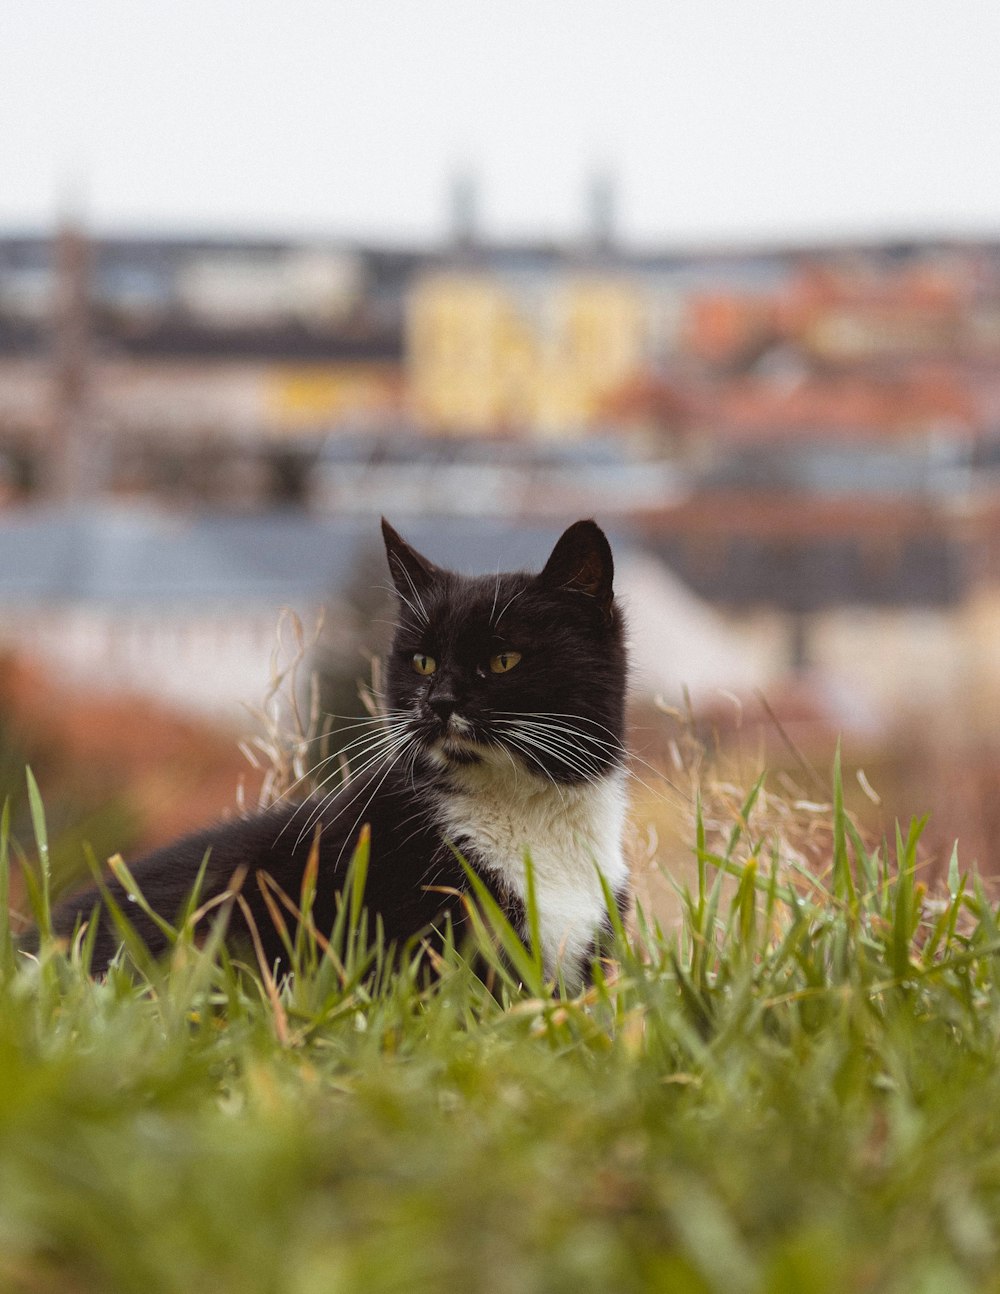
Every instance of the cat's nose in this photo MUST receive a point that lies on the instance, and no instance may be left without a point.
(444, 703)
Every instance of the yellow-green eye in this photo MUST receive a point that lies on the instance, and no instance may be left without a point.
(424, 664)
(505, 661)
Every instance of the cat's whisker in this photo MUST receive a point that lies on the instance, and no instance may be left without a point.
(382, 730)
(595, 748)
(578, 755)
(360, 748)
(416, 595)
(337, 755)
(363, 758)
(542, 715)
(510, 601)
(366, 739)
(384, 752)
(349, 837)
(420, 615)
(350, 773)
(527, 752)
(593, 754)
(496, 593)
(323, 804)
(577, 734)
(498, 745)
(356, 721)
(626, 760)
(573, 736)
(556, 785)
(575, 759)
(615, 743)
(629, 755)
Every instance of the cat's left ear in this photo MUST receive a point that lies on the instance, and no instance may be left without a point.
(581, 562)
(411, 573)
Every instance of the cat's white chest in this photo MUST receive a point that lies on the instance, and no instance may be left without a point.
(573, 835)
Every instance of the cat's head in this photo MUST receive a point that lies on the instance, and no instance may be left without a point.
(527, 671)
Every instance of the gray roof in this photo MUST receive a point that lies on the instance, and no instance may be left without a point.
(134, 556)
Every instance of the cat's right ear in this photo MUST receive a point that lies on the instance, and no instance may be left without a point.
(411, 573)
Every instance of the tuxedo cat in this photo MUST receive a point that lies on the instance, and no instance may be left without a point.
(503, 733)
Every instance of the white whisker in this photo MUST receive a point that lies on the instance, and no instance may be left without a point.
(360, 748)
(628, 756)
(576, 760)
(496, 594)
(526, 751)
(518, 594)
(378, 786)
(419, 613)
(385, 752)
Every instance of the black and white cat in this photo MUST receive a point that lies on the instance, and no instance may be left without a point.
(503, 734)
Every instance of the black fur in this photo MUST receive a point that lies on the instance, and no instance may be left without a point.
(564, 626)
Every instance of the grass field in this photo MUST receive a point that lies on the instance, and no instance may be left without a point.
(797, 1090)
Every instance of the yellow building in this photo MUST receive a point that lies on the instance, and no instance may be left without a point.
(305, 397)
(536, 353)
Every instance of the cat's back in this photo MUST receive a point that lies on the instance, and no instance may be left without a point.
(409, 865)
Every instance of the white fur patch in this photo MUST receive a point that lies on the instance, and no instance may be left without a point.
(501, 813)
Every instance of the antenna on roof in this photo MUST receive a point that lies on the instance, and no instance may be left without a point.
(601, 211)
(464, 209)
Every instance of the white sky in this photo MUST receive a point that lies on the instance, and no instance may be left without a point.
(719, 119)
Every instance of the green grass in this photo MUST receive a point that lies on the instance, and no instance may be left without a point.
(795, 1091)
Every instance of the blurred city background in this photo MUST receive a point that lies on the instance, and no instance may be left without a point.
(790, 432)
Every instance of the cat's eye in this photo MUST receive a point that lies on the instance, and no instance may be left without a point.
(504, 661)
(424, 664)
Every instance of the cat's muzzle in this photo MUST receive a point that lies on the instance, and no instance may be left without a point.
(456, 740)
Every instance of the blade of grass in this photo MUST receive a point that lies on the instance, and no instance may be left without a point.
(843, 881)
(6, 937)
(497, 924)
(43, 914)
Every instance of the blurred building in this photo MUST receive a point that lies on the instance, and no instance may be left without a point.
(191, 340)
(249, 340)
(511, 478)
(878, 343)
(521, 350)
(541, 342)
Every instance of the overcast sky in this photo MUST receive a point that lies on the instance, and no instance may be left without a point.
(719, 119)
